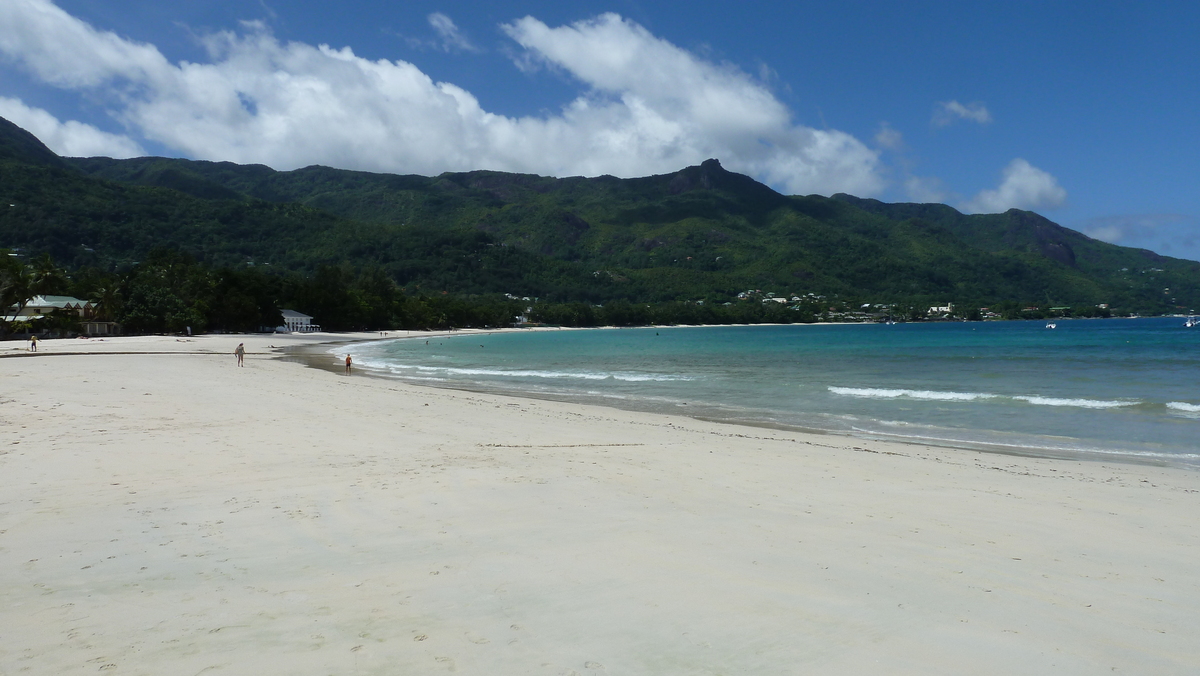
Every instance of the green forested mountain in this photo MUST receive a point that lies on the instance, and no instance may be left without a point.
(700, 233)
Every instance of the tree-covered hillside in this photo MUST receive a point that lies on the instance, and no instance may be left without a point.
(701, 233)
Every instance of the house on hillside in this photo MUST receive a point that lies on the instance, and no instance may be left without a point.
(297, 322)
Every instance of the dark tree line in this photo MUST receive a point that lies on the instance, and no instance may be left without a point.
(170, 292)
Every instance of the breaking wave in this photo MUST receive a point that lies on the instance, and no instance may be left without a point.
(879, 393)
(1036, 400)
(1182, 406)
(1079, 403)
(524, 373)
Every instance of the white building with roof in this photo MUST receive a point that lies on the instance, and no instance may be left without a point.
(298, 322)
(43, 305)
(40, 306)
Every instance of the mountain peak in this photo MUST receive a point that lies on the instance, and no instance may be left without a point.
(18, 144)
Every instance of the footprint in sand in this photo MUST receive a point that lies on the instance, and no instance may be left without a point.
(420, 637)
(593, 665)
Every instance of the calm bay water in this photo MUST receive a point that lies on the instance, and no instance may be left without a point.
(1125, 389)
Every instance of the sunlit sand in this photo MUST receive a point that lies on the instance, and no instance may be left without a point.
(171, 513)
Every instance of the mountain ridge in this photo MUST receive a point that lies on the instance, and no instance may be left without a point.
(699, 233)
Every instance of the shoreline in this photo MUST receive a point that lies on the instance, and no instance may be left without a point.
(317, 357)
(180, 515)
(311, 349)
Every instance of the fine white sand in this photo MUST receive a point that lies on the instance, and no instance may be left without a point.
(171, 513)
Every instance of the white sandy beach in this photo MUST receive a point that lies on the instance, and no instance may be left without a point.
(171, 513)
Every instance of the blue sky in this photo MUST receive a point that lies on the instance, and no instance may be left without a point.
(1083, 111)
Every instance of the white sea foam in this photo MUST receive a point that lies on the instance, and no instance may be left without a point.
(880, 393)
(1036, 400)
(524, 373)
(656, 377)
(1182, 406)
(1078, 403)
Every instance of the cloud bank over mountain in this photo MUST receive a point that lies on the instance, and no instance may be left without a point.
(1023, 186)
(71, 138)
(645, 106)
(649, 106)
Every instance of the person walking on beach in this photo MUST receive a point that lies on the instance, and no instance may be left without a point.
(240, 351)
(348, 362)
(33, 343)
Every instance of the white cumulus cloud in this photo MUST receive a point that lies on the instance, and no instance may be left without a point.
(948, 112)
(70, 138)
(647, 107)
(653, 100)
(1023, 186)
(66, 52)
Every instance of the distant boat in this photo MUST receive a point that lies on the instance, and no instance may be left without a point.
(1052, 325)
(1191, 321)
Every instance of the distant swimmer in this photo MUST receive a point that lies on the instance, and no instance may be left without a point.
(348, 362)
(240, 352)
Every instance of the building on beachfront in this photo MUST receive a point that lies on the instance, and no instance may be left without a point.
(41, 306)
(297, 322)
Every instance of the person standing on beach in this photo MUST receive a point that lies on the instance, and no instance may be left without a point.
(240, 351)
(33, 343)
(348, 362)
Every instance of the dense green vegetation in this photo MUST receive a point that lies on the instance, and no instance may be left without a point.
(171, 292)
(404, 250)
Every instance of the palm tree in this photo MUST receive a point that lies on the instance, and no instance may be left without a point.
(46, 277)
(108, 300)
(16, 289)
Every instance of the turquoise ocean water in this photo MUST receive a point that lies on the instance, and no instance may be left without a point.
(1119, 389)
